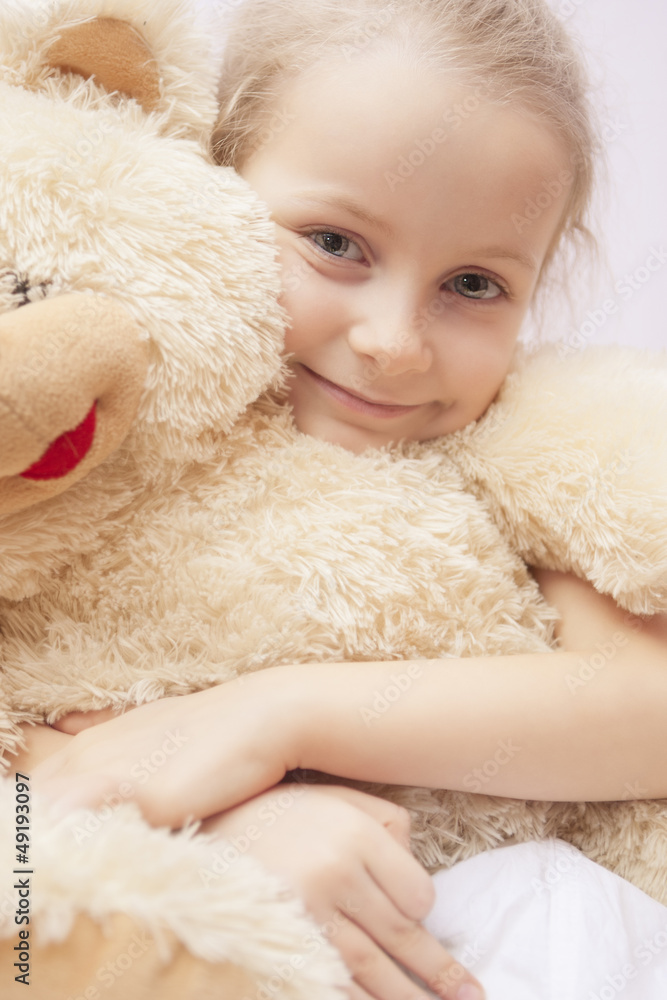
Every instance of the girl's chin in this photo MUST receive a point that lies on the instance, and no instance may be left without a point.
(349, 433)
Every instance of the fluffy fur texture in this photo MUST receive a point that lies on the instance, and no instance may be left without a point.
(218, 540)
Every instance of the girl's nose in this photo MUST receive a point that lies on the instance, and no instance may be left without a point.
(395, 347)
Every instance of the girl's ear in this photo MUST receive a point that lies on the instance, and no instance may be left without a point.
(114, 54)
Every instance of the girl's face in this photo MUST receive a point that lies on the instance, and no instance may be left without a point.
(408, 259)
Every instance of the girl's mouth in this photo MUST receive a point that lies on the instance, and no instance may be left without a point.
(352, 402)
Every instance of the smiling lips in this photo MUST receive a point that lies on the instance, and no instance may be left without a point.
(352, 402)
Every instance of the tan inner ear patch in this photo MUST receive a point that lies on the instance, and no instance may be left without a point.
(112, 52)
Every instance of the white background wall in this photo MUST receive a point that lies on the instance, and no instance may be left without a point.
(626, 43)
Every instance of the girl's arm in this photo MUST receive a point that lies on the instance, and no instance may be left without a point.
(586, 722)
(583, 724)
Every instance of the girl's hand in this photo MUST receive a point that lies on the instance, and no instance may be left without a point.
(346, 854)
(76, 722)
(183, 757)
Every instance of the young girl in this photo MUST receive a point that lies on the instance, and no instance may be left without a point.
(397, 146)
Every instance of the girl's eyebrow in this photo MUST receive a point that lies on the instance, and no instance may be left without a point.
(504, 253)
(348, 205)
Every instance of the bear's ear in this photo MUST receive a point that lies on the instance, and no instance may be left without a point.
(114, 54)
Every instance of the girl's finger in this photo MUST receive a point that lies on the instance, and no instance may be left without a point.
(400, 876)
(357, 992)
(76, 722)
(408, 943)
(373, 970)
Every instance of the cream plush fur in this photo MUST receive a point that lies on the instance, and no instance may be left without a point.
(216, 539)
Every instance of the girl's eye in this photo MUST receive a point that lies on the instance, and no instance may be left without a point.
(335, 244)
(475, 286)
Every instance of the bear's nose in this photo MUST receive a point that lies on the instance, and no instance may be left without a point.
(72, 369)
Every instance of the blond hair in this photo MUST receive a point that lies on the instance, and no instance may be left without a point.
(518, 50)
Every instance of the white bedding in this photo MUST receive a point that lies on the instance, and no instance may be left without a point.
(539, 921)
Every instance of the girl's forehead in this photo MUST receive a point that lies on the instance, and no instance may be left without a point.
(379, 123)
(379, 92)
(383, 108)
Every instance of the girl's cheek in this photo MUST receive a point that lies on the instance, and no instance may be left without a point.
(309, 300)
(306, 314)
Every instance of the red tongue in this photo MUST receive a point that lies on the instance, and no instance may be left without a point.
(65, 454)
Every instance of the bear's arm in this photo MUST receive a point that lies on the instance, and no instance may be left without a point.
(582, 723)
(571, 463)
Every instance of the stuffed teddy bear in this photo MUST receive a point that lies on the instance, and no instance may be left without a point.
(207, 537)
